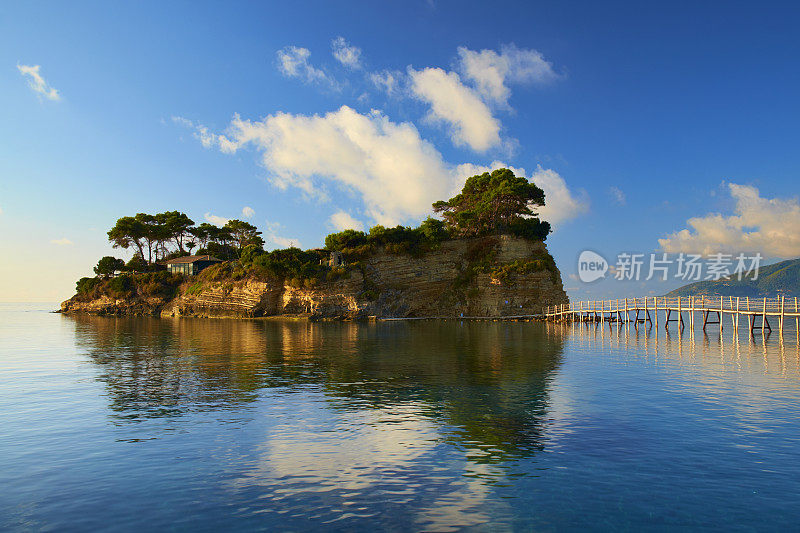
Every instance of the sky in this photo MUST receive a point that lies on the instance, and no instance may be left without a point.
(652, 127)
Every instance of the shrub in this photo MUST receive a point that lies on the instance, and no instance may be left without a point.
(120, 286)
(85, 285)
(249, 253)
(348, 238)
(433, 230)
(107, 265)
(530, 228)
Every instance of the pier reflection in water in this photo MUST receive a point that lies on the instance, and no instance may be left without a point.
(253, 424)
(713, 350)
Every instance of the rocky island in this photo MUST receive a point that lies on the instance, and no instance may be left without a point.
(486, 258)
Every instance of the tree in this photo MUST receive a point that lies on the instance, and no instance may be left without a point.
(108, 265)
(243, 233)
(128, 231)
(136, 263)
(492, 203)
(433, 230)
(348, 238)
(152, 233)
(176, 226)
(203, 233)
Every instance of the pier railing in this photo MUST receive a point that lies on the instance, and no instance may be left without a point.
(646, 310)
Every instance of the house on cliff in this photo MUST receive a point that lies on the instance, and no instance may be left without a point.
(336, 259)
(191, 264)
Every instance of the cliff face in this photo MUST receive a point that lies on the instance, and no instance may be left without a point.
(490, 276)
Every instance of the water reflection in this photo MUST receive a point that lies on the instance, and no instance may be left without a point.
(253, 425)
(482, 384)
(713, 350)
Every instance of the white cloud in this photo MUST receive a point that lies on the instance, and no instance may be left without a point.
(206, 137)
(397, 173)
(271, 236)
(346, 54)
(342, 220)
(248, 212)
(387, 80)
(293, 63)
(470, 120)
(560, 202)
(37, 82)
(216, 220)
(767, 225)
(63, 241)
(491, 71)
(618, 195)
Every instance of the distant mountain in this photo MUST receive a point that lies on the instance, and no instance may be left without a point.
(773, 280)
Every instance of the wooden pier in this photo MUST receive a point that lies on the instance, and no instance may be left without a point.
(705, 310)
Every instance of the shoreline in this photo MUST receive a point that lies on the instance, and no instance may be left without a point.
(312, 318)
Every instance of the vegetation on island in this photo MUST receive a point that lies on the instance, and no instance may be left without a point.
(490, 204)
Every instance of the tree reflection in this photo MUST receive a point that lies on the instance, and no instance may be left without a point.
(484, 384)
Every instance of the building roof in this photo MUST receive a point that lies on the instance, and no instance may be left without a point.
(192, 259)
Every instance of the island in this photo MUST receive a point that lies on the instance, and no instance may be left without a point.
(485, 257)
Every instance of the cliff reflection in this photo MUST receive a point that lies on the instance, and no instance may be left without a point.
(485, 385)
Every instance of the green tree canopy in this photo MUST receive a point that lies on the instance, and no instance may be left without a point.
(243, 233)
(499, 202)
(127, 232)
(348, 238)
(176, 226)
(108, 265)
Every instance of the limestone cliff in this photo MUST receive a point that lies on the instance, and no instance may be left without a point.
(490, 276)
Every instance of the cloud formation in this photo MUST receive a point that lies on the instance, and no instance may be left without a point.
(293, 63)
(767, 225)
(396, 172)
(248, 212)
(388, 81)
(216, 220)
(37, 82)
(491, 72)
(63, 241)
(618, 195)
(346, 54)
(469, 119)
(272, 237)
(342, 220)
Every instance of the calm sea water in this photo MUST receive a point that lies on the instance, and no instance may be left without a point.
(196, 424)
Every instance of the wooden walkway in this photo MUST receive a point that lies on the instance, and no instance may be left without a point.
(694, 309)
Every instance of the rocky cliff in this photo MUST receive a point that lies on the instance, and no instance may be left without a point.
(490, 276)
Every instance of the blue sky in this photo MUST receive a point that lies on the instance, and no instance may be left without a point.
(634, 118)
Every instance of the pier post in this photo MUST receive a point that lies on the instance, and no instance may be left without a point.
(655, 302)
(780, 320)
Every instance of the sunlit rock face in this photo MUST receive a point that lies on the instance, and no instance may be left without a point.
(462, 277)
